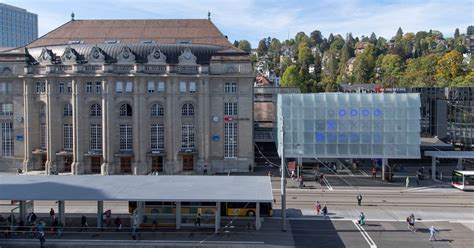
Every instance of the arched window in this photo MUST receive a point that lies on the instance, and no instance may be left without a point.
(42, 110)
(96, 110)
(156, 110)
(67, 111)
(187, 109)
(126, 110)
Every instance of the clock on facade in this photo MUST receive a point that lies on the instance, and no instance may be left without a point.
(215, 118)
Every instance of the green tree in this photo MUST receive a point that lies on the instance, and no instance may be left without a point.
(317, 68)
(391, 69)
(316, 37)
(456, 33)
(291, 77)
(420, 72)
(331, 62)
(275, 46)
(301, 37)
(399, 34)
(330, 38)
(449, 66)
(373, 38)
(343, 58)
(236, 43)
(245, 46)
(381, 47)
(470, 30)
(305, 57)
(262, 48)
(337, 43)
(364, 65)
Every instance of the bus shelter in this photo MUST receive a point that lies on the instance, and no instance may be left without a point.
(459, 155)
(187, 195)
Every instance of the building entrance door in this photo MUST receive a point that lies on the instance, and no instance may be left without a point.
(44, 158)
(96, 163)
(67, 163)
(126, 164)
(157, 163)
(188, 162)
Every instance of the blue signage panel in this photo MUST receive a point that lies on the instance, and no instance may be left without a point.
(215, 137)
(19, 138)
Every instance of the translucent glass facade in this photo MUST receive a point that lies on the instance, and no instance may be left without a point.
(349, 125)
(17, 26)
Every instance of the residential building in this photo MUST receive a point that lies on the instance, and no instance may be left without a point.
(18, 27)
(127, 97)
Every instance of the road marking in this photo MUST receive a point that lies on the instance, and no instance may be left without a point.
(365, 235)
(327, 183)
(363, 173)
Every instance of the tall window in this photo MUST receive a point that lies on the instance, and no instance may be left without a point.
(67, 110)
(6, 109)
(98, 87)
(61, 88)
(156, 110)
(151, 87)
(157, 137)
(126, 110)
(89, 87)
(187, 136)
(67, 135)
(95, 110)
(95, 137)
(7, 139)
(182, 87)
(230, 87)
(69, 87)
(5, 87)
(230, 140)
(230, 108)
(42, 110)
(187, 109)
(126, 137)
(43, 87)
(161, 86)
(40, 87)
(129, 87)
(192, 87)
(43, 135)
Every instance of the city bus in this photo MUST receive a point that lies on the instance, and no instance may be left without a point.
(227, 208)
(463, 180)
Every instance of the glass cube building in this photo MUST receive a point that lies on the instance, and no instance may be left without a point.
(18, 27)
(348, 125)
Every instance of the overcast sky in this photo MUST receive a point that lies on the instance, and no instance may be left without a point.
(255, 19)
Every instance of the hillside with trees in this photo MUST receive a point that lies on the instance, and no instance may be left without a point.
(315, 63)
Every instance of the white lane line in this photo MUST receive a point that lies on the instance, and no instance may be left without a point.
(365, 235)
(363, 173)
(327, 183)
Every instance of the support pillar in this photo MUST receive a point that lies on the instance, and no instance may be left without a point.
(61, 212)
(178, 215)
(257, 217)
(100, 211)
(300, 167)
(384, 160)
(433, 168)
(23, 213)
(459, 165)
(218, 217)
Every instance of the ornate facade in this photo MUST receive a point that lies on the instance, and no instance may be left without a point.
(91, 106)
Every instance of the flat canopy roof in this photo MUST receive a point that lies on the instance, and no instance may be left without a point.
(137, 188)
(450, 154)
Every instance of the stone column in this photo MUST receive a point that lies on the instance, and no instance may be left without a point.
(459, 165)
(62, 212)
(218, 217)
(54, 127)
(79, 129)
(207, 121)
(100, 210)
(104, 169)
(257, 217)
(433, 168)
(138, 114)
(171, 126)
(30, 117)
(178, 215)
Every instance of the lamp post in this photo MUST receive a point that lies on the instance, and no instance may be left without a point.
(283, 178)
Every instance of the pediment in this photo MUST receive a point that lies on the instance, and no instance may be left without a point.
(187, 58)
(69, 56)
(126, 56)
(156, 57)
(96, 56)
(46, 57)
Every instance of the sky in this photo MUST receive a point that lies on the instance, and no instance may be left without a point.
(253, 20)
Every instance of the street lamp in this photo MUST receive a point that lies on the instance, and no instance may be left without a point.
(283, 178)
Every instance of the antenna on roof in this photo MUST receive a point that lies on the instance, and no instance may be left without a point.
(72, 16)
(208, 15)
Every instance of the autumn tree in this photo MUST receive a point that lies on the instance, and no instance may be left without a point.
(391, 69)
(364, 65)
(245, 46)
(262, 48)
(449, 67)
(420, 72)
(291, 77)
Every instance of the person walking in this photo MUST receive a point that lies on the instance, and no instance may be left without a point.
(407, 182)
(325, 211)
(55, 225)
(359, 199)
(205, 169)
(374, 172)
(361, 219)
(433, 233)
(118, 224)
(83, 223)
(318, 207)
(51, 215)
(411, 222)
(197, 222)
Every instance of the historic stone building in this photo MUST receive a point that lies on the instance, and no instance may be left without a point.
(127, 97)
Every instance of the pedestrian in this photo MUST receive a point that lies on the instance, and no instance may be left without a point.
(292, 175)
(318, 207)
(301, 182)
(361, 219)
(51, 215)
(83, 223)
(411, 222)
(197, 222)
(407, 182)
(205, 169)
(134, 232)
(60, 229)
(334, 168)
(55, 225)
(417, 179)
(433, 232)
(374, 172)
(118, 224)
(41, 239)
(359, 199)
(40, 227)
(321, 178)
(325, 211)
